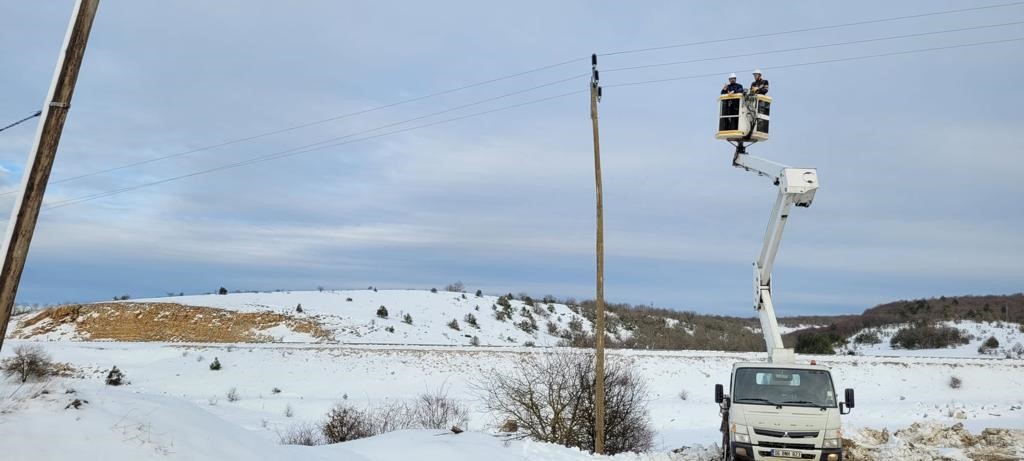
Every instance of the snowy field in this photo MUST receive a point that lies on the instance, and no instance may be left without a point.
(176, 407)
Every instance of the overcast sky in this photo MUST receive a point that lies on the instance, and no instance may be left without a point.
(922, 174)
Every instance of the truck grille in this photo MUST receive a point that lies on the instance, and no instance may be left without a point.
(794, 446)
(784, 434)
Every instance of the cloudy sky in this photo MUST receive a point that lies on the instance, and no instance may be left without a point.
(922, 175)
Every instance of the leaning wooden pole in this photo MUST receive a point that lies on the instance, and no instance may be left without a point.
(595, 97)
(40, 160)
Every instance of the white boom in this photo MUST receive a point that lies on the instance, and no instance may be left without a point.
(796, 187)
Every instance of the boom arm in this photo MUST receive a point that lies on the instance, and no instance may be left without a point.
(796, 187)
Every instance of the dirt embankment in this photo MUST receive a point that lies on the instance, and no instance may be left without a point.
(161, 322)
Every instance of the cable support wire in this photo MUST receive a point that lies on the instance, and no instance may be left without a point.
(522, 73)
(19, 122)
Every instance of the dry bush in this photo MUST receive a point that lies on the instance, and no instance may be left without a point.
(232, 395)
(346, 423)
(29, 361)
(550, 398)
(436, 410)
(302, 434)
(955, 382)
(389, 416)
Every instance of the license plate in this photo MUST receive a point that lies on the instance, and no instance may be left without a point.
(787, 454)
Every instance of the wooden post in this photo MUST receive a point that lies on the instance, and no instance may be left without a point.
(599, 394)
(40, 161)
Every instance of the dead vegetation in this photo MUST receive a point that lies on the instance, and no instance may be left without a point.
(925, 440)
(163, 322)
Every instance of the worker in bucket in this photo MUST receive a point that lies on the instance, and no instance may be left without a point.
(759, 85)
(732, 87)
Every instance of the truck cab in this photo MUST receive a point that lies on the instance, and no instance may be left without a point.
(781, 411)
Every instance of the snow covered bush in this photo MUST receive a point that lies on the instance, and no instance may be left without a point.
(115, 377)
(346, 423)
(868, 337)
(232, 395)
(454, 324)
(955, 382)
(925, 336)
(550, 398)
(215, 364)
(407, 318)
(29, 361)
(470, 320)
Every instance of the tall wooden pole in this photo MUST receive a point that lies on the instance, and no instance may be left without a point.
(37, 170)
(595, 97)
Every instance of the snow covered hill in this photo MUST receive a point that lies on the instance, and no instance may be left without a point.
(352, 316)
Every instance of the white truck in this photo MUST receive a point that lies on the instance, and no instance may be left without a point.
(779, 409)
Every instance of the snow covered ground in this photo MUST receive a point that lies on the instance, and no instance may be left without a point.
(172, 385)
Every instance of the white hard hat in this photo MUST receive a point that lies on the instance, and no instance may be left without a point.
(757, 71)
(732, 75)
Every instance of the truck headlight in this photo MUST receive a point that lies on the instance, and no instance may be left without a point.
(833, 439)
(740, 434)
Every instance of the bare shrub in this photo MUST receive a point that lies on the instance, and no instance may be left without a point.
(955, 382)
(436, 410)
(232, 395)
(550, 398)
(29, 361)
(288, 412)
(302, 434)
(683, 394)
(346, 423)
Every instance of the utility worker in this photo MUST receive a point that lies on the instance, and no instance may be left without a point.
(732, 87)
(759, 85)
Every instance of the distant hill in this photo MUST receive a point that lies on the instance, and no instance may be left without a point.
(432, 317)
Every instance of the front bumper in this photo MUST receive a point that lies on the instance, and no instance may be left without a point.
(750, 452)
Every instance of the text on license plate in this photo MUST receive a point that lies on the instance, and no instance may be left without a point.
(787, 453)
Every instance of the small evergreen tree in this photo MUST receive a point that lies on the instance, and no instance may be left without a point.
(454, 324)
(115, 377)
(215, 365)
(479, 294)
(471, 320)
(298, 308)
(382, 312)
(407, 318)
(222, 291)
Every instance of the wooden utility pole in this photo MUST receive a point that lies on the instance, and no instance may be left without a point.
(40, 161)
(595, 97)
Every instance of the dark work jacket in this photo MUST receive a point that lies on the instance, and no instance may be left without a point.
(734, 87)
(759, 87)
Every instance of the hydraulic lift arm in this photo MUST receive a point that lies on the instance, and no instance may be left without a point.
(796, 187)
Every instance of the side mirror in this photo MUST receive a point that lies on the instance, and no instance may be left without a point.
(849, 398)
(719, 393)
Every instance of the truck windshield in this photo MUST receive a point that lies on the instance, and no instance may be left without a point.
(783, 386)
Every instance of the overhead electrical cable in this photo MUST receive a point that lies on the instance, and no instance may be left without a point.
(322, 145)
(812, 47)
(522, 73)
(812, 29)
(824, 61)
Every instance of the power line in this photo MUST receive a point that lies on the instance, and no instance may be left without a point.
(432, 114)
(30, 117)
(293, 152)
(323, 144)
(813, 29)
(811, 47)
(514, 75)
(825, 61)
